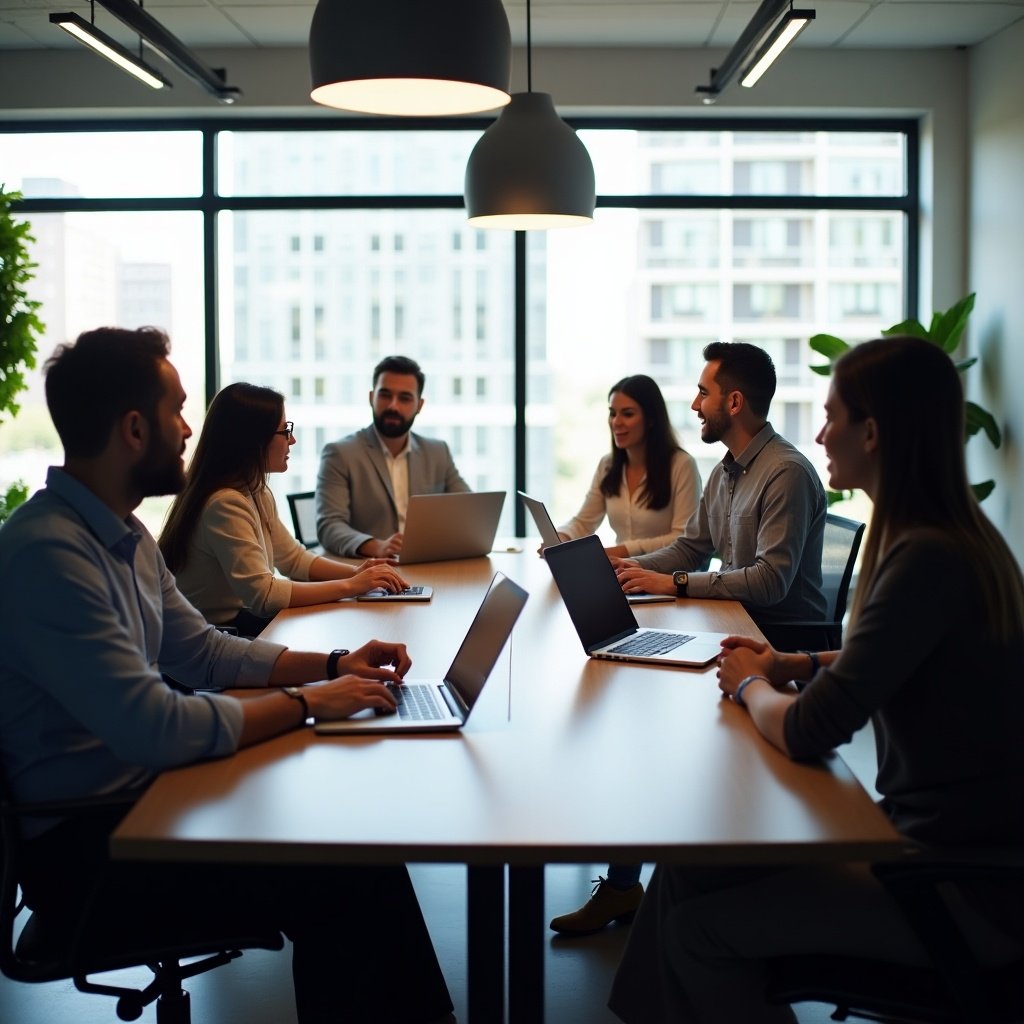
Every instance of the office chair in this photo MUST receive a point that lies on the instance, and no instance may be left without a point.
(954, 989)
(38, 954)
(303, 510)
(838, 557)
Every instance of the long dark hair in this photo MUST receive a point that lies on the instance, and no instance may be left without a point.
(912, 390)
(660, 443)
(232, 452)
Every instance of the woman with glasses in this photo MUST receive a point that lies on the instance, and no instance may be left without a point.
(223, 537)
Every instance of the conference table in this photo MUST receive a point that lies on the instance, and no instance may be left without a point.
(564, 759)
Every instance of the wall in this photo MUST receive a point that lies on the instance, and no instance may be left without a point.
(996, 143)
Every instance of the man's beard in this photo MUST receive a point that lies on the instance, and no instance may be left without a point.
(160, 471)
(391, 424)
(715, 426)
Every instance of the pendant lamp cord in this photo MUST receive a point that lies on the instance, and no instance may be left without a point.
(529, 51)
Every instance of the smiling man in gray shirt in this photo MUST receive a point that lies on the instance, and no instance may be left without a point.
(763, 508)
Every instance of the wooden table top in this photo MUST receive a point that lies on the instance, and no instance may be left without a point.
(565, 758)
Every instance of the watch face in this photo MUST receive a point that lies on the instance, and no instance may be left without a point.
(679, 578)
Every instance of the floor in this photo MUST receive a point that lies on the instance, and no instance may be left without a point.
(257, 988)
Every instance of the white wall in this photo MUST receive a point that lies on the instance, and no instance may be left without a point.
(996, 267)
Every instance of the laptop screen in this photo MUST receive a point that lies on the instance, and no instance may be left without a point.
(485, 638)
(592, 595)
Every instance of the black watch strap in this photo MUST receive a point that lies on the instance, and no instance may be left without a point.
(332, 661)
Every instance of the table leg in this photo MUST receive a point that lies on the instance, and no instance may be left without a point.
(485, 933)
(526, 945)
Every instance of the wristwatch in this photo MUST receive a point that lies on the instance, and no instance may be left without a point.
(332, 661)
(680, 579)
(296, 694)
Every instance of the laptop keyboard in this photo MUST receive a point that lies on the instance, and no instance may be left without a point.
(648, 644)
(417, 703)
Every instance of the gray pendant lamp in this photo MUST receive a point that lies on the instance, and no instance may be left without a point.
(415, 57)
(529, 170)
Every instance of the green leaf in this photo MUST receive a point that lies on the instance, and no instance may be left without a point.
(912, 327)
(948, 327)
(833, 496)
(976, 419)
(829, 346)
(824, 371)
(965, 364)
(982, 491)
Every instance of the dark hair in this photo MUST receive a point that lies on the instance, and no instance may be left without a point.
(231, 452)
(105, 374)
(912, 391)
(660, 443)
(400, 364)
(744, 368)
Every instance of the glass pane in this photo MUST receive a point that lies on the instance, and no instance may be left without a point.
(803, 163)
(343, 163)
(312, 300)
(97, 165)
(99, 269)
(643, 291)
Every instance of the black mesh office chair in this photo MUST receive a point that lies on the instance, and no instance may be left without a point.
(838, 558)
(955, 989)
(303, 510)
(37, 954)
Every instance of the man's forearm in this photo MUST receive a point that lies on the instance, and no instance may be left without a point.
(295, 667)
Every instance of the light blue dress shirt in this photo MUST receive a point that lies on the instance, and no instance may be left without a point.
(90, 617)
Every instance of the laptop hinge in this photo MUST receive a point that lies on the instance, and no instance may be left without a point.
(453, 704)
(608, 641)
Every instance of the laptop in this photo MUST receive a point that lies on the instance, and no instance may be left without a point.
(416, 593)
(603, 619)
(549, 537)
(445, 705)
(545, 527)
(439, 527)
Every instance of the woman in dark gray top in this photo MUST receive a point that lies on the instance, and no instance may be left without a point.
(932, 659)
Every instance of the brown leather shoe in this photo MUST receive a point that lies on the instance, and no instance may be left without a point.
(606, 904)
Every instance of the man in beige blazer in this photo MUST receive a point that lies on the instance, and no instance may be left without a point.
(365, 479)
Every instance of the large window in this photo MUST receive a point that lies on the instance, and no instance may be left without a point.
(311, 253)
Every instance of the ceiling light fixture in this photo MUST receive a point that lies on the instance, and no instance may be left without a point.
(101, 43)
(410, 57)
(168, 45)
(529, 170)
(771, 29)
(785, 32)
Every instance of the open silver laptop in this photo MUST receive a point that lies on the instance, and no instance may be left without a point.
(439, 527)
(603, 619)
(549, 537)
(445, 704)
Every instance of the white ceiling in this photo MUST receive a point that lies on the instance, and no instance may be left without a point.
(915, 24)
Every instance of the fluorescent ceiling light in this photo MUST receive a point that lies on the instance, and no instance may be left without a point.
(774, 21)
(785, 32)
(102, 44)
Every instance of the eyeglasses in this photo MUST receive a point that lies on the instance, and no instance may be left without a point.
(288, 432)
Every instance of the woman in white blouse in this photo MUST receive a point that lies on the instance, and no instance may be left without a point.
(647, 485)
(223, 537)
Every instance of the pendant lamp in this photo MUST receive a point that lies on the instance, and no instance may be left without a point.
(529, 170)
(413, 57)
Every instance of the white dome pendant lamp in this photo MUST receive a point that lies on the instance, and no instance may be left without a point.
(410, 57)
(529, 170)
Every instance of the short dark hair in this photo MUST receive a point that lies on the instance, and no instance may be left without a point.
(400, 364)
(745, 368)
(106, 373)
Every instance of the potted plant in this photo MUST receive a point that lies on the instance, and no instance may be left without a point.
(945, 330)
(20, 326)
